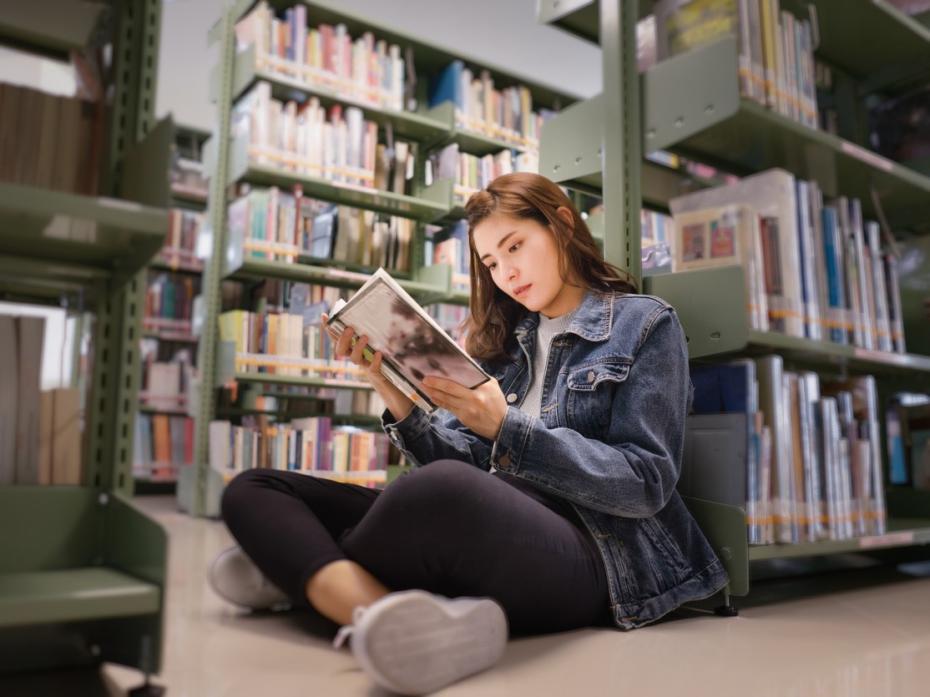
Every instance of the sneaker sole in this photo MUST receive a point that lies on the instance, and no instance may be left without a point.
(413, 645)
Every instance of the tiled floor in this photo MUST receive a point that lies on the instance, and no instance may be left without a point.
(860, 633)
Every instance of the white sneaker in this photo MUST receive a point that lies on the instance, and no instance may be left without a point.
(414, 642)
(234, 577)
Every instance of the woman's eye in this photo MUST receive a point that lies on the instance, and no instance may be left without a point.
(491, 267)
(515, 246)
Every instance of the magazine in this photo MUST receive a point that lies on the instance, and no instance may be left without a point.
(412, 344)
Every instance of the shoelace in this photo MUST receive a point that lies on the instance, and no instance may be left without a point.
(346, 631)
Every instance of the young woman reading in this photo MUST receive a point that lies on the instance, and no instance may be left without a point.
(543, 500)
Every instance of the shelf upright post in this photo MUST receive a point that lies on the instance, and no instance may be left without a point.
(192, 490)
(621, 149)
(116, 352)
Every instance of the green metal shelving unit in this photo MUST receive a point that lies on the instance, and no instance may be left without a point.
(691, 106)
(82, 578)
(199, 487)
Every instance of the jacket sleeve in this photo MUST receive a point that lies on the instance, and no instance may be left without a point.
(425, 438)
(633, 473)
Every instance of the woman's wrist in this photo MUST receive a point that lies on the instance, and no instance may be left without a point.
(396, 401)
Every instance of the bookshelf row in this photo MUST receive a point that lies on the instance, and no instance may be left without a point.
(896, 39)
(435, 126)
(711, 122)
(164, 428)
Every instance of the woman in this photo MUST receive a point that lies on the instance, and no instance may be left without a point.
(578, 522)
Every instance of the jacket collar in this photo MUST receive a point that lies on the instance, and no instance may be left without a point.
(592, 320)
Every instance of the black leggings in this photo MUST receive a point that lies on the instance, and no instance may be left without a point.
(447, 528)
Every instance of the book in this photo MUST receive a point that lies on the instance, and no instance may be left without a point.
(773, 195)
(9, 408)
(412, 344)
(724, 236)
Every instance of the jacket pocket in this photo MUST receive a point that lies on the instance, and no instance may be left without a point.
(591, 392)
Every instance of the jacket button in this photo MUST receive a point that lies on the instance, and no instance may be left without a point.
(512, 397)
(591, 376)
(504, 460)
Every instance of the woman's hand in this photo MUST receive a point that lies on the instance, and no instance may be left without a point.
(396, 401)
(344, 349)
(481, 409)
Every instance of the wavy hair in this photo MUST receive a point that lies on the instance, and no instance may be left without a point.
(493, 314)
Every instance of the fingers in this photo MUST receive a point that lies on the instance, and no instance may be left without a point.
(357, 356)
(344, 343)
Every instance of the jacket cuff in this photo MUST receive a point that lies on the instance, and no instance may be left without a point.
(507, 453)
(408, 429)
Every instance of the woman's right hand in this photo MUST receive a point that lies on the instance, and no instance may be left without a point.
(396, 401)
(344, 349)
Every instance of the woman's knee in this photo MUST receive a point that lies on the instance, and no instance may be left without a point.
(236, 495)
(440, 487)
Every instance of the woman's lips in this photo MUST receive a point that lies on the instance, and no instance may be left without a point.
(523, 289)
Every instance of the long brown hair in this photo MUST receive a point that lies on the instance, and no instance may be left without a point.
(494, 314)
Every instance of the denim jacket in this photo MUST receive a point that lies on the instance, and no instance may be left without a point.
(609, 440)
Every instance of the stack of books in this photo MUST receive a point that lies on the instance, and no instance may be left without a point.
(310, 445)
(365, 69)
(282, 226)
(813, 465)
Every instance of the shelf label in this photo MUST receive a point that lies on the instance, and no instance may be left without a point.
(891, 539)
(870, 158)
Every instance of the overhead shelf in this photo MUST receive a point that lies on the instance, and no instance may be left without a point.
(27, 24)
(898, 54)
(275, 379)
(432, 128)
(430, 281)
(692, 106)
(75, 238)
(434, 202)
(250, 68)
(578, 17)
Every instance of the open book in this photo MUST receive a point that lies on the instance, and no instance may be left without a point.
(412, 344)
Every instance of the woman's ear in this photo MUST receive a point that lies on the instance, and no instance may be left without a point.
(566, 216)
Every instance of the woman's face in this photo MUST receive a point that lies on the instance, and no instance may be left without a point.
(523, 260)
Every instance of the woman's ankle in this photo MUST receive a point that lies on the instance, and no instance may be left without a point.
(341, 586)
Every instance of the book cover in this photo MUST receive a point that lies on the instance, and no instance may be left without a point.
(723, 236)
(412, 343)
(30, 335)
(773, 196)
(9, 398)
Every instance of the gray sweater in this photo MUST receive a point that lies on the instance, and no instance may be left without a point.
(547, 329)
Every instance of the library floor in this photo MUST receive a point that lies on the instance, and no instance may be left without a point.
(859, 633)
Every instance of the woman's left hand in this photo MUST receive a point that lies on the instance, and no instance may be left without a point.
(481, 409)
